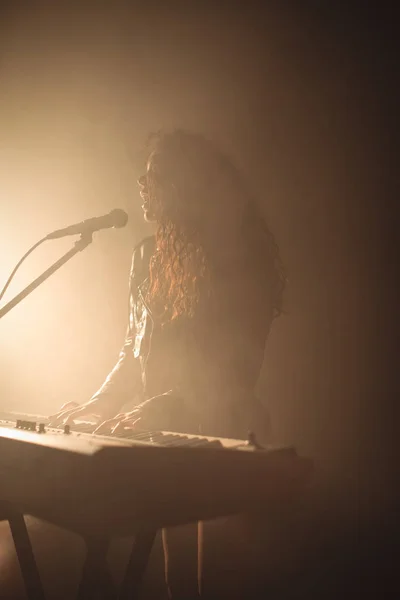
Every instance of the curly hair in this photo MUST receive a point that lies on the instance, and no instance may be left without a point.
(188, 167)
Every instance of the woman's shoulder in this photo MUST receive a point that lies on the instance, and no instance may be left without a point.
(141, 255)
(145, 247)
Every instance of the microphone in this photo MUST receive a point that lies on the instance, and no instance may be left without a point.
(115, 218)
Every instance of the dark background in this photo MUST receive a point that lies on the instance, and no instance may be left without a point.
(303, 98)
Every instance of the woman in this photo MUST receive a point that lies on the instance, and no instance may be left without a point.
(203, 294)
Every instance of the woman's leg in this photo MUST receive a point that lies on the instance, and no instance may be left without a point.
(181, 561)
(234, 557)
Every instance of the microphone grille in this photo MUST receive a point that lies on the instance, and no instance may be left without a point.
(119, 217)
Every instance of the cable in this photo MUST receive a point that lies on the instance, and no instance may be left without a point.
(19, 264)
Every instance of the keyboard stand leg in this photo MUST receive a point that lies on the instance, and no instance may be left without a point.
(96, 581)
(26, 558)
(136, 567)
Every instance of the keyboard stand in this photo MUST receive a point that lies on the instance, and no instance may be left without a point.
(96, 581)
(137, 564)
(26, 558)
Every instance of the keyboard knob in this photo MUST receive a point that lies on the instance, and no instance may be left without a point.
(67, 429)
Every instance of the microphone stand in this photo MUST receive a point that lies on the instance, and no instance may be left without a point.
(81, 244)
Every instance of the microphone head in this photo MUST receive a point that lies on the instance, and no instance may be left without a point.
(119, 217)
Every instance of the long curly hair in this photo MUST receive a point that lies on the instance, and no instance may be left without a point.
(188, 169)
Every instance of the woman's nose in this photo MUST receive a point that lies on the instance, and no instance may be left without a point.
(142, 181)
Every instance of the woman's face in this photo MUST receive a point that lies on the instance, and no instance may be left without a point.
(150, 192)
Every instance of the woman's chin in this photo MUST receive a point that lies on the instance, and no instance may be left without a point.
(149, 217)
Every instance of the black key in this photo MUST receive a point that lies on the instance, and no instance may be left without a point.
(143, 435)
(196, 442)
(168, 440)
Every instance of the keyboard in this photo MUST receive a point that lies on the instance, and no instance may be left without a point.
(116, 485)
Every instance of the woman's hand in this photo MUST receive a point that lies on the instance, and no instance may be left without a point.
(120, 422)
(164, 412)
(101, 408)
